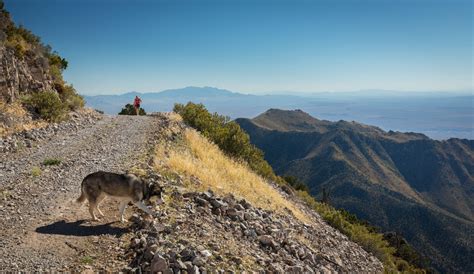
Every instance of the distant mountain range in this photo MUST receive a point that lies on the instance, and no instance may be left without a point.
(438, 115)
(219, 100)
(403, 182)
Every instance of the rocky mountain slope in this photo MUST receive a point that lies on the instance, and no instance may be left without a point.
(405, 182)
(20, 76)
(32, 89)
(43, 229)
(24, 65)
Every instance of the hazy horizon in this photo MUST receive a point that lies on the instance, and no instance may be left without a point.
(257, 46)
(440, 116)
(461, 92)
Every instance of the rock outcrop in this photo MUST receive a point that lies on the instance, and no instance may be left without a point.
(24, 66)
(22, 75)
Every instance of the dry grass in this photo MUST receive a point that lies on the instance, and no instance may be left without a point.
(203, 160)
(22, 121)
(174, 117)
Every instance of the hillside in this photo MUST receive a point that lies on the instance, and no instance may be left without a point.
(26, 64)
(211, 220)
(32, 88)
(404, 182)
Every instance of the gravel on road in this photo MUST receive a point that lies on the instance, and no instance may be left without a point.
(42, 226)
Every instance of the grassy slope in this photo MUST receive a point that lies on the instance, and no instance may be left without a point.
(203, 160)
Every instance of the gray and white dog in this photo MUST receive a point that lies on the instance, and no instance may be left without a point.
(124, 187)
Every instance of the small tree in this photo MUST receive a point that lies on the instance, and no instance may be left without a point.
(325, 199)
(295, 183)
(130, 110)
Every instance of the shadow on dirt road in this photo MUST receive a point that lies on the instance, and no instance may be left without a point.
(81, 228)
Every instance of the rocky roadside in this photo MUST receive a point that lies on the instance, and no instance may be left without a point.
(201, 233)
(27, 139)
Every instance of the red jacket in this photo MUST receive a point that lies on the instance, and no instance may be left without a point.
(137, 101)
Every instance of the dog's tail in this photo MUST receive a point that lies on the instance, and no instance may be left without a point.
(81, 198)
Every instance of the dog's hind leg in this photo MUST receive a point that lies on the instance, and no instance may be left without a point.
(99, 200)
(122, 207)
(92, 206)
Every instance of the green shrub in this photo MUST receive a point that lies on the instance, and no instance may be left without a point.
(69, 97)
(18, 45)
(57, 65)
(57, 61)
(53, 107)
(56, 73)
(227, 135)
(75, 102)
(21, 40)
(24, 33)
(87, 260)
(47, 104)
(405, 251)
(51, 162)
(130, 110)
(35, 171)
(295, 183)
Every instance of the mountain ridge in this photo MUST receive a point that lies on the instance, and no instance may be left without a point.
(365, 165)
(437, 116)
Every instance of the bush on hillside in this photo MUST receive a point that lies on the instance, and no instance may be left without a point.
(21, 40)
(69, 97)
(361, 233)
(47, 105)
(24, 33)
(295, 183)
(405, 251)
(52, 106)
(19, 46)
(130, 110)
(57, 61)
(227, 135)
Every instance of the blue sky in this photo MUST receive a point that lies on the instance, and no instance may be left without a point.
(257, 46)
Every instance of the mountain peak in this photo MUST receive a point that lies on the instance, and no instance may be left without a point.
(276, 111)
(289, 120)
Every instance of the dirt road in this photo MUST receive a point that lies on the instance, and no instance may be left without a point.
(42, 228)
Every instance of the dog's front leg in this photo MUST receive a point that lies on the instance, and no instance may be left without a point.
(143, 207)
(122, 206)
